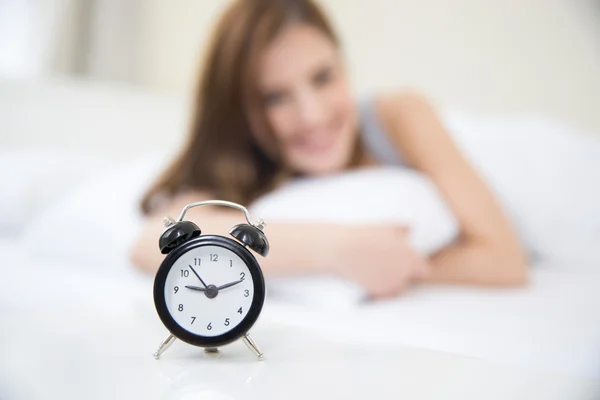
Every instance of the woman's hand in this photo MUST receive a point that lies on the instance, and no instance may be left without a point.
(379, 258)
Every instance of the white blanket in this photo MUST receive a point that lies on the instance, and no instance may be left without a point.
(551, 325)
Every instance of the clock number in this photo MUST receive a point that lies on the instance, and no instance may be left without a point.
(180, 308)
(226, 321)
(214, 257)
(246, 293)
(230, 263)
(242, 275)
(193, 319)
(197, 261)
(209, 326)
(240, 310)
(185, 273)
(176, 289)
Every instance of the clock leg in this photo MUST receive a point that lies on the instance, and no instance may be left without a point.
(249, 340)
(164, 345)
(211, 350)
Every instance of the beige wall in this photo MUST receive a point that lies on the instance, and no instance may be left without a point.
(540, 56)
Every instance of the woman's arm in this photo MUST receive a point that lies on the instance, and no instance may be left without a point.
(295, 247)
(376, 257)
(488, 252)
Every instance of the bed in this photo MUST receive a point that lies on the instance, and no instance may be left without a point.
(67, 285)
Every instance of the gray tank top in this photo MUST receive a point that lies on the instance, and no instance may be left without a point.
(374, 136)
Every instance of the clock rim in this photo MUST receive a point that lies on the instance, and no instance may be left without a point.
(255, 307)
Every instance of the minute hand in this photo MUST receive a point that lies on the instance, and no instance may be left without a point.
(229, 284)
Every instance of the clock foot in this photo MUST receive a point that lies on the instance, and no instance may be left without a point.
(164, 345)
(211, 350)
(249, 340)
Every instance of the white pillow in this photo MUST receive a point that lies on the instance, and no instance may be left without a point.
(546, 175)
(33, 179)
(96, 224)
(385, 195)
(367, 196)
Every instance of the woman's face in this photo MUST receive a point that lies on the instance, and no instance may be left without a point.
(307, 102)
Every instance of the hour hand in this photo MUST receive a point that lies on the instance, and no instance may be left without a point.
(198, 276)
(195, 288)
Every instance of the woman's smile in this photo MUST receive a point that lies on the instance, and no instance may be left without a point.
(319, 141)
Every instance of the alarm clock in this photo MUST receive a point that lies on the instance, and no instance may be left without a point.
(209, 290)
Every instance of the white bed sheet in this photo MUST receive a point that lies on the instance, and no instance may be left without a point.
(552, 325)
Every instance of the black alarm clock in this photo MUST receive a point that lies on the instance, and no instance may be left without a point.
(209, 290)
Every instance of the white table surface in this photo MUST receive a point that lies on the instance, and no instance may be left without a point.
(95, 353)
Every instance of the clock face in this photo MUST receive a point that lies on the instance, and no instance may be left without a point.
(195, 292)
(209, 291)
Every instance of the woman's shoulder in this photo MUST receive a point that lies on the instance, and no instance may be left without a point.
(378, 126)
(390, 116)
(381, 111)
(392, 104)
(402, 110)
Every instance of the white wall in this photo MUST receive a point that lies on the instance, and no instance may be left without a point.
(29, 31)
(540, 56)
(511, 56)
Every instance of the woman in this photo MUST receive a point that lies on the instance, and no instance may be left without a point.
(274, 102)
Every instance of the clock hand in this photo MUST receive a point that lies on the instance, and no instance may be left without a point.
(195, 288)
(198, 276)
(229, 284)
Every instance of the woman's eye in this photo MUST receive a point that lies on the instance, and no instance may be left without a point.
(273, 99)
(323, 77)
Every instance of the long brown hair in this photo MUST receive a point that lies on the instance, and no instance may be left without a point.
(221, 155)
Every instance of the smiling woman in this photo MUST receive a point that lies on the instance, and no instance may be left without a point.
(274, 102)
(307, 102)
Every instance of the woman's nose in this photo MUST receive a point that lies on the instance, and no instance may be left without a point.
(310, 109)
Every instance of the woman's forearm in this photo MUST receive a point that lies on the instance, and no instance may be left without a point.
(294, 247)
(302, 248)
(470, 262)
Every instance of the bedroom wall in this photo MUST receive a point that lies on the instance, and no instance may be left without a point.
(490, 57)
(534, 56)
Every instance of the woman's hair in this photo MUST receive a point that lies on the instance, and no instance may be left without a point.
(221, 155)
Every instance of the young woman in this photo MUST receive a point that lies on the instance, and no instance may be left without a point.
(274, 102)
